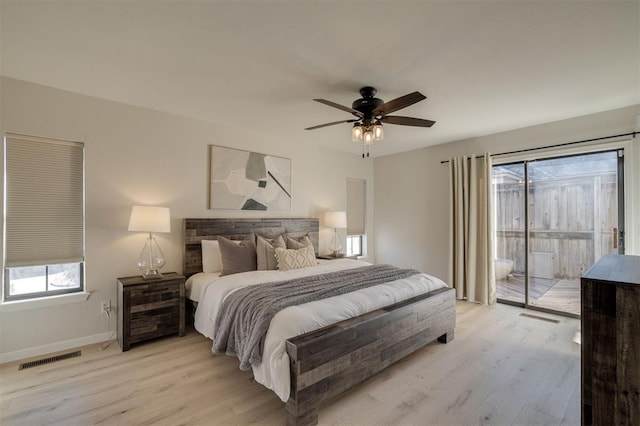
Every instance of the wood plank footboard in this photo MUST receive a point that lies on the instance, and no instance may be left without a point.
(328, 361)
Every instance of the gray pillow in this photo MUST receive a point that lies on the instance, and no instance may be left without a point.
(266, 249)
(298, 243)
(237, 257)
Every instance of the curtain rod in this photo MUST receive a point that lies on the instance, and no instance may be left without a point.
(554, 146)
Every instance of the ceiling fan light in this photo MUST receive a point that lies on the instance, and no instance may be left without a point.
(378, 131)
(356, 133)
(368, 137)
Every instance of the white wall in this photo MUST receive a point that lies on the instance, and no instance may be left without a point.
(411, 194)
(140, 156)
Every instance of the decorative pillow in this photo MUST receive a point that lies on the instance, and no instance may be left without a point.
(267, 253)
(295, 258)
(298, 243)
(237, 257)
(211, 261)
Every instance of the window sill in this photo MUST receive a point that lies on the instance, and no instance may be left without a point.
(63, 299)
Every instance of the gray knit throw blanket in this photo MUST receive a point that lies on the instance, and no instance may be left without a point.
(244, 317)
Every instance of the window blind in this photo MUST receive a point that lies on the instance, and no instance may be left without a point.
(44, 201)
(355, 206)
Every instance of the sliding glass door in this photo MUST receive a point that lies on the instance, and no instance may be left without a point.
(510, 260)
(554, 218)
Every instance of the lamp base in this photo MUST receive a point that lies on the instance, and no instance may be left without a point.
(152, 274)
(151, 259)
(336, 245)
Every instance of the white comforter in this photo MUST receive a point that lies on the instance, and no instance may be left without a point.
(273, 372)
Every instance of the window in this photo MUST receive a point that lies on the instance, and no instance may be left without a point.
(44, 217)
(354, 245)
(355, 216)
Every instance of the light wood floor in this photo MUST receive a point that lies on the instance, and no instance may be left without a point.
(563, 296)
(500, 369)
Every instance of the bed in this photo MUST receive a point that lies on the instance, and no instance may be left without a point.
(314, 352)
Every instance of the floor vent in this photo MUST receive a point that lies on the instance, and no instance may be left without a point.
(540, 318)
(49, 360)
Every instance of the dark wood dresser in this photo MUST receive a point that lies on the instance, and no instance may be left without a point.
(610, 296)
(150, 308)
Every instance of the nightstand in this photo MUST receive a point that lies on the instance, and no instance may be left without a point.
(150, 308)
(332, 257)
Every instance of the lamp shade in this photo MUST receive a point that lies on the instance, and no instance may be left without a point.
(150, 219)
(335, 219)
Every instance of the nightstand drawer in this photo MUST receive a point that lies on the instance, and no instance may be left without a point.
(152, 305)
(159, 322)
(151, 289)
(142, 299)
(150, 309)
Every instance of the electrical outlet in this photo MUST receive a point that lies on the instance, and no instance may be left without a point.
(105, 306)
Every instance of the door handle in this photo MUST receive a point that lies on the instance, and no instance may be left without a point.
(615, 238)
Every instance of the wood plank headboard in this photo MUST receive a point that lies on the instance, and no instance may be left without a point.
(196, 230)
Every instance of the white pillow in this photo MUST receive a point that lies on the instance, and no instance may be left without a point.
(211, 259)
(295, 258)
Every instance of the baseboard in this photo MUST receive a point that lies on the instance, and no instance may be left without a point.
(54, 347)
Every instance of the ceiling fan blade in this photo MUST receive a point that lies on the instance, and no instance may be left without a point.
(407, 121)
(399, 103)
(330, 124)
(341, 107)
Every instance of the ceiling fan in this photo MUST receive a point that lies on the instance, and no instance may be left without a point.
(371, 112)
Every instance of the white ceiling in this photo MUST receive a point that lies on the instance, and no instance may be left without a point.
(485, 66)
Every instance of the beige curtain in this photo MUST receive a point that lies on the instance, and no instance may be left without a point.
(471, 229)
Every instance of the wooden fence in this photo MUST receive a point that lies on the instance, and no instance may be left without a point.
(573, 218)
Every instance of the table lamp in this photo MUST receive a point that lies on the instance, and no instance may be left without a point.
(335, 220)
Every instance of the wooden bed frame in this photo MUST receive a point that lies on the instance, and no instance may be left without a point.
(328, 361)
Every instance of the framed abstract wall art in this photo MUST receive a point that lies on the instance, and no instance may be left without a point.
(244, 180)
